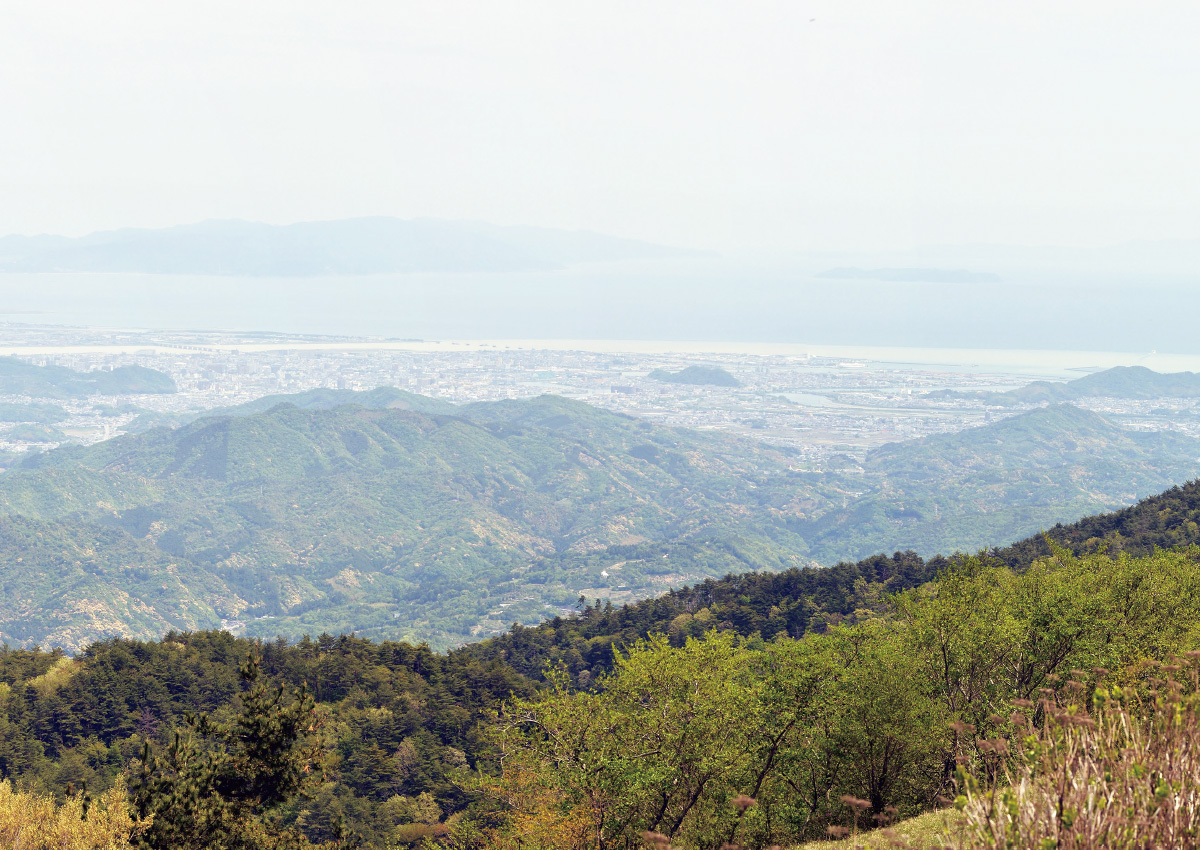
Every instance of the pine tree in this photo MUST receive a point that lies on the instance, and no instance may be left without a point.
(211, 788)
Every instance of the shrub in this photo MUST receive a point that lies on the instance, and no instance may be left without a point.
(33, 822)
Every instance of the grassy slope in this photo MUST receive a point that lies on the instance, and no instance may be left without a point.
(924, 831)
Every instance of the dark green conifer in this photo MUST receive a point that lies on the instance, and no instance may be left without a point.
(213, 785)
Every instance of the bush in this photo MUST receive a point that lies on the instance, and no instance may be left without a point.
(34, 822)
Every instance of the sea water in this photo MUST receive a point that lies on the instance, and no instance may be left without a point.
(713, 302)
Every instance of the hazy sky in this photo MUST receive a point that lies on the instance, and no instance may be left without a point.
(809, 124)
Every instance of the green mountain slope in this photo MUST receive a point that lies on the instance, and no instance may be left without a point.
(796, 601)
(68, 583)
(429, 526)
(406, 722)
(398, 522)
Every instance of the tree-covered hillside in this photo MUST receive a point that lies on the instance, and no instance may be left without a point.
(391, 521)
(895, 679)
(420, 525)
(712, 376)
(797, 601)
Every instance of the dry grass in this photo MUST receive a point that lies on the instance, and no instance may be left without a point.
(924, 831)
(1124, 775)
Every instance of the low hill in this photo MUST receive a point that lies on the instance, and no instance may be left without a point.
(18, 377)
(1137, 382)
(699, 375)
(39, 413)
(377, 245)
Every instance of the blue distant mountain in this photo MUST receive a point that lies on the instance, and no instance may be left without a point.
(910, 275)
(351, 246)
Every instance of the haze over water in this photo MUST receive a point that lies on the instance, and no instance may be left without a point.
(708, 300)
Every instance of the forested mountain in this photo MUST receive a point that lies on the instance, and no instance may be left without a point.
(796, 601)
(374, 245)
(387, 521)
(426, 525)
(1002, 481)
(327, 399)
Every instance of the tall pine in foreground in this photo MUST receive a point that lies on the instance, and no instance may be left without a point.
(211, 789)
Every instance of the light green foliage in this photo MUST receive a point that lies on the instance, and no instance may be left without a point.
(36, 822)
(663, 746)
(885, 710)
(888, 727)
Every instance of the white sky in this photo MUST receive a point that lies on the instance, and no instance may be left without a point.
(742, 123)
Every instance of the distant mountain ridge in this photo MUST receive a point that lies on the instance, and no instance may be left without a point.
(355, 246)
(1001, 481)
(909, 275)
(1131, 382)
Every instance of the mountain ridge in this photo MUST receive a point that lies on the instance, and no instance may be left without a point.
(1128, 382)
